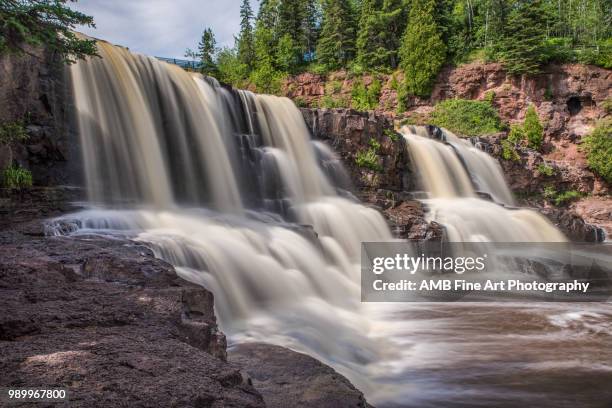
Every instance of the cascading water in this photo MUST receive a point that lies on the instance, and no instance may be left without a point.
(221, 183)
(449, 170)
(224, 185)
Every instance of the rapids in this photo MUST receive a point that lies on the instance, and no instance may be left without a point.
(229, 187)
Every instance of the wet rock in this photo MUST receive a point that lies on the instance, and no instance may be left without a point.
(408, 221)
(286, 378)
(115, 326)
(350, 132)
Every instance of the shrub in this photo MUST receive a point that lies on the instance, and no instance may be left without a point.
(545, 170)
(374, 144)
(598, 149)
(17, 178)
(394, 84)
(509, 151)
(489, 97)
(517, 134)
(333, 87)
(549, 192)
(391, 134)
(607, 105)
(332, 102)
(466, 117)
(368, 159)
(566, 197)
(300, 102)
(534, 132)
(363, 98)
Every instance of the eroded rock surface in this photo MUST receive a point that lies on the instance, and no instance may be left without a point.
(286, 378)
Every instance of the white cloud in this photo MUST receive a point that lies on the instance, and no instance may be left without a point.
(162, 28)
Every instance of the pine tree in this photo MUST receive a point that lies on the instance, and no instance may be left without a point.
(369, 41)
(310, 24)
(393, 18)
(522, 45)
(206, 51)
(44, 22)
(422, 51)
(246, 50)
(336, 46)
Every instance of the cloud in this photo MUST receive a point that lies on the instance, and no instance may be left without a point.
(163, 28)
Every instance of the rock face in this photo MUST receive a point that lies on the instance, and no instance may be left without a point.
(34, 88)
(286, 378)
(350, 132)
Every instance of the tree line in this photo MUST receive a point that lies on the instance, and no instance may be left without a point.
(417, 36)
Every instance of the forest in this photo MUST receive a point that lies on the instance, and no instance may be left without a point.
(418, 37)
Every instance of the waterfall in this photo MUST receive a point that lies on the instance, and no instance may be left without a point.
(228, 187)
(451, 171)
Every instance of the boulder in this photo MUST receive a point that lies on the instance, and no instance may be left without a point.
(286, 378)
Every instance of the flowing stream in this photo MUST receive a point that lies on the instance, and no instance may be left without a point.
(229, 187)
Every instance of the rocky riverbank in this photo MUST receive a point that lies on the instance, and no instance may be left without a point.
(115, 326)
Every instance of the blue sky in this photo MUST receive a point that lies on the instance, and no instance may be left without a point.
(163, 28)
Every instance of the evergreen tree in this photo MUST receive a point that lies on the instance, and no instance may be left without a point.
(336, 46)
(205, 53)
(422, 51)
(246, 50)
(522, 46)
(311, 25)
(369, 42)
(44, 22)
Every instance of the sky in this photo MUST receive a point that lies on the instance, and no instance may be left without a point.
(162, 28)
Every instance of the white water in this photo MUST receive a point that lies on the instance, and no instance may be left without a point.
(218, 182)
(449, 170)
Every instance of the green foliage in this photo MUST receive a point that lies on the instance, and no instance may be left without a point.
(374, 144)
(331, 102)
(207, 49)
(287, 55)
(265, 77)
(545, 170)
(534, 131)
(509, 150)
(48, 23)
(422, 51)
(489, 97)
(12, 133)
(566, 197)
(394, 84)
(391, 134)
(365, 98)
(598, 149)
(300, 102)
(336, 46)
(16, 178)
(517, 134)
(466, 117)
(549, 192)
(607, 105)
(560, 198)
(230, 69)
(381, 24)
(333, 87)
(522, 46)
(245, 41)
(368, 159)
